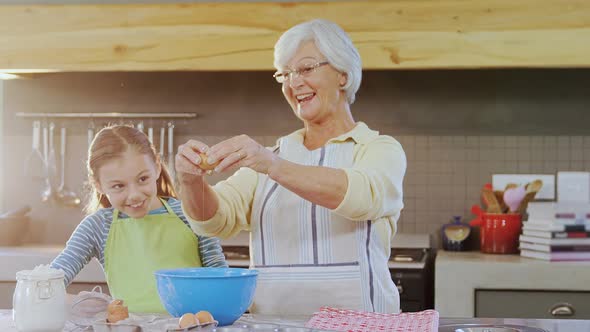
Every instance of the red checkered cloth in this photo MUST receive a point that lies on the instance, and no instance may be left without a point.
(359, 321)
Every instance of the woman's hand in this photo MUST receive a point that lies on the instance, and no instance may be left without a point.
(188, 160)
(241, 151)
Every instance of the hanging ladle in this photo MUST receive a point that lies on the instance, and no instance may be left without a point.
(48, 193)
(65, 195)
(35, 163)
(90, 133)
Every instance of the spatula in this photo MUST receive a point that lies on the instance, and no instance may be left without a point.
(513, 197)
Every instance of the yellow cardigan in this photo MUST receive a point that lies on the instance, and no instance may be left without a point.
(374, 188)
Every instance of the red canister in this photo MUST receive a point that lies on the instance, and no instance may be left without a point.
(499, 232)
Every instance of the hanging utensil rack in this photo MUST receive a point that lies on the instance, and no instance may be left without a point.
(109, 115)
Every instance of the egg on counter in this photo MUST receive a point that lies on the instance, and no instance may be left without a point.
(201, 317)
(204, 317)
(187, 320)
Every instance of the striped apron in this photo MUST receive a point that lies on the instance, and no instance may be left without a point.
(309, 257)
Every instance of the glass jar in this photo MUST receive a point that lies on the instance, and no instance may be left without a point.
(39, 301)
(455, 234)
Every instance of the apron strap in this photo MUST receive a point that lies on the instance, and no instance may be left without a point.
(168, 208)
(164, 202)
(115, 216)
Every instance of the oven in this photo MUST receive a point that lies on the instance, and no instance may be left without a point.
(237, 255)
(411, 265)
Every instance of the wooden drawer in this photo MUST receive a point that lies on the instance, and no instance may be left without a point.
(532, 304)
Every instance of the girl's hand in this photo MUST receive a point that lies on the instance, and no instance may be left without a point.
(188, 160)
(241, 151)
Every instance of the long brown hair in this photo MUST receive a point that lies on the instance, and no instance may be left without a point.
(112, 142)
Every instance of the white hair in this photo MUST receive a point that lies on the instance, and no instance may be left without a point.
(332, 42)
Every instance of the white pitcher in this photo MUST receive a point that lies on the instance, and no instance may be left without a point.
(39, 302)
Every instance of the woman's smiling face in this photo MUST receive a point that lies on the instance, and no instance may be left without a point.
(314, 89)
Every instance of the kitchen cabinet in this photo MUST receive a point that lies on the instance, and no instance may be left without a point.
(532, 304)
(472, 284)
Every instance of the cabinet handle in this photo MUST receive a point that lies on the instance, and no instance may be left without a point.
(400, 288)
(562, 309)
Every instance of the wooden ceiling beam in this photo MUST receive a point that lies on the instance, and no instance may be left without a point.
(405, 34)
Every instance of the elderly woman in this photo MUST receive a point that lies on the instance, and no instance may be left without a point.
(321, 205)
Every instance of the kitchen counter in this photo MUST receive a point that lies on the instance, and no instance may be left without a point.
(459, 274)
(14, 259)
(243, 263)
(550, 325)
(26, 257)
(404, 241)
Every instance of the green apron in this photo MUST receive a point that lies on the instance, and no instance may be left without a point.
(136, 248)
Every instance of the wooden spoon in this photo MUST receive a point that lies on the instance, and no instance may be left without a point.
(500, 198)
(531, 191)
(491, 201)
(534, 186)
(510, 185)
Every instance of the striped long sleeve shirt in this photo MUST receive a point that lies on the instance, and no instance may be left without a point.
(90, 238)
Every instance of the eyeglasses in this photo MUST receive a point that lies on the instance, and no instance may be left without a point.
(304, 71)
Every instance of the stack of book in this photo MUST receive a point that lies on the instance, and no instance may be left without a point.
(556, 231)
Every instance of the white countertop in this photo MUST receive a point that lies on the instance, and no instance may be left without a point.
(550, 325)
(14, 259)
(238, 262)
(398, 240)
(419, 241)
(458, 274)
(26, 257)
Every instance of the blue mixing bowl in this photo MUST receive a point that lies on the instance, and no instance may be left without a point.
(225, 292)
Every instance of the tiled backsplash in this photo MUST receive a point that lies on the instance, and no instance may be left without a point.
(457, 128)
(446, 173)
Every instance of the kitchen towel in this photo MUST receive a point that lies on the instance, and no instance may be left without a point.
(359, 321)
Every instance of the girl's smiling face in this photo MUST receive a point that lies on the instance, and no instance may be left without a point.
(129, 182)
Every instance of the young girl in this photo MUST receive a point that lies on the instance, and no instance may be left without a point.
(135, 224)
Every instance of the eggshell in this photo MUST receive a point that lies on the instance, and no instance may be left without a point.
(205, 165)
(186, 320)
